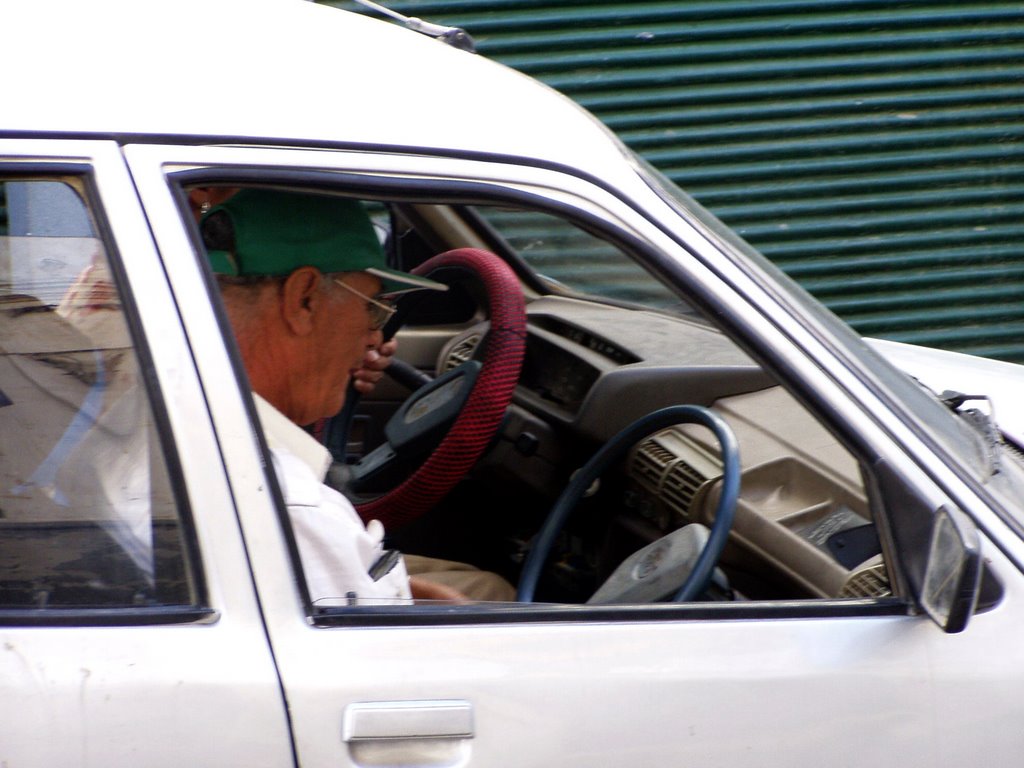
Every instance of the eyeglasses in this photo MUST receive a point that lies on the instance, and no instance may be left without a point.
(380, 310)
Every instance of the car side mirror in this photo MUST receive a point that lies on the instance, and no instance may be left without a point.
(952, 577)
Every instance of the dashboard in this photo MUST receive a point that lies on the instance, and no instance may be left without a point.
(803, 523)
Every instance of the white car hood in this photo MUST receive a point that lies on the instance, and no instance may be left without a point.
(1002, 383)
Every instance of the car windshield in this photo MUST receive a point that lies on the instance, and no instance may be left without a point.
(923, 406)
(570, 257)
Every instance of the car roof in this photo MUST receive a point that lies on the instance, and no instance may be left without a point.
(277, 71)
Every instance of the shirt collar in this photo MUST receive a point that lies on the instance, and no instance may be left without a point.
(284, 435)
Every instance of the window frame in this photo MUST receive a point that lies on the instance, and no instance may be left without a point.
(809, 360)
(389, 190)
(199, 609)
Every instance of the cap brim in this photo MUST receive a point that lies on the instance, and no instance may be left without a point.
(393, 281)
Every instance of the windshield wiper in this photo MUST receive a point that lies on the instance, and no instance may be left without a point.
(454, 36)
(983, 422)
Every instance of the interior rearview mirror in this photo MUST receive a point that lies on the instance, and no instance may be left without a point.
(952, 575)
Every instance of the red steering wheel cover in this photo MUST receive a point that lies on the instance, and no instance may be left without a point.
(485, 407)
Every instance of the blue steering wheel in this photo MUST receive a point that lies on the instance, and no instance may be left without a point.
(697, 579)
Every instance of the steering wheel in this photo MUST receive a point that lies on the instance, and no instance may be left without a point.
(475, 395)
(697, 577)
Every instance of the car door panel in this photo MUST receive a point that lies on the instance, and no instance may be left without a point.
(158, 678)
(753, 684)
(721, 692)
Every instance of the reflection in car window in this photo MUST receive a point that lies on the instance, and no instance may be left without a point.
(567, 255)
(86, 514)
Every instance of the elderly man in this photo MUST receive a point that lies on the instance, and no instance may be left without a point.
(301, 277)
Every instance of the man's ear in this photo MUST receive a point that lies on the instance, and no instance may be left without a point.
(301, 295)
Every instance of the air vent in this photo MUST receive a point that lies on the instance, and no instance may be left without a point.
(681, 486)
(673, 468)
(461, 352)
(650, 463)
(869, 580)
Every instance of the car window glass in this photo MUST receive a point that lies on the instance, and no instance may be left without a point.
(804, 526)
(804, 523)
(569, 256)
(87, 519)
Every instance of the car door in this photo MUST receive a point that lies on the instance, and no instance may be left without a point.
(130, 629)
(797, 683)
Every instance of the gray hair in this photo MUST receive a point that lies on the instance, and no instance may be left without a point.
(244, 298)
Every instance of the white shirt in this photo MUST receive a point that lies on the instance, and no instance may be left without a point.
(337, 550)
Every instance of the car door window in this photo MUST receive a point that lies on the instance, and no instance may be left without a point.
(573, 258)
(87, 516)
(804, 526)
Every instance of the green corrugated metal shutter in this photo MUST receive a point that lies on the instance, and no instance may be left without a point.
(873, 150)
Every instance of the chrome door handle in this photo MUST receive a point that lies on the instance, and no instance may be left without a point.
(393, 720)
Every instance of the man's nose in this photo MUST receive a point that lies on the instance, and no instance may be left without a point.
(374, 339)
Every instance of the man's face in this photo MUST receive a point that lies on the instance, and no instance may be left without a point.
(340, 340)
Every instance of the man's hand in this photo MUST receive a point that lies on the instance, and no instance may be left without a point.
(374, 363)
(424, 589)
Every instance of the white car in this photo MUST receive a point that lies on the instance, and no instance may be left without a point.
(829, 574)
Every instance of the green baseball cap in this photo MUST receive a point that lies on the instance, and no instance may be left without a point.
(277, 232)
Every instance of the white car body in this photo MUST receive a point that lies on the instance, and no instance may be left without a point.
(133, 96)
(940, 370)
